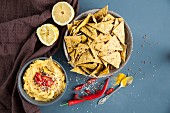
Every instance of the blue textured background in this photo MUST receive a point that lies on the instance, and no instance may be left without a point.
(149, 63)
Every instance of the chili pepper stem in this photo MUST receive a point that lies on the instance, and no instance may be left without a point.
(65, 104)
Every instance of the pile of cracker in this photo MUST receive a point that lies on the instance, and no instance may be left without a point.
(96, 43)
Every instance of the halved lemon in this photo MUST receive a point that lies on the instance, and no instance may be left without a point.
(47, 34)
(62, 13)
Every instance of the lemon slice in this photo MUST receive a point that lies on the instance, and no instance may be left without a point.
(62, 13)
(47, 34)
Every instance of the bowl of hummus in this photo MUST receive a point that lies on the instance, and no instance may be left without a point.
(42, 81)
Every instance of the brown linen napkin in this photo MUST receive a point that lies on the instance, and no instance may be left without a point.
(19, 44)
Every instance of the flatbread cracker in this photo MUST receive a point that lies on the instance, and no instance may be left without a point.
(86, 70)
(97, 70)
(120, 19)
(85, 21)
(100, 46)
(92, 34)
(94, 19)
(95, 54)
(89, 66)
(103, 38)
(72, 56)
(108, 18)
(86, 57)
(119, 31)
(114, 44)
(104, 27)
(80, 49)
(123, 53)
(105, 71)
(113, 59)
(72, 42)
(71, 27)
(105, 63)
(116, 22)
(78, 70)
(83, 38)
(101, 13)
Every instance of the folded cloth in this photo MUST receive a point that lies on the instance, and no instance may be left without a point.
(19, 20)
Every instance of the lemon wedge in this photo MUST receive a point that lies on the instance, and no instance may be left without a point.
(62, 13)
(47, 34)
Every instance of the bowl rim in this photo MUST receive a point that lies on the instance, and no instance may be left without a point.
(23, 92)
(130, 48)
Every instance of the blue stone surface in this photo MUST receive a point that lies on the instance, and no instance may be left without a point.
(149, 63)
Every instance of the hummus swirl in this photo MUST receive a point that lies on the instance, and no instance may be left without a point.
(44, 93)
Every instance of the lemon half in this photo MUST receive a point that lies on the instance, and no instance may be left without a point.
(62, 13)
(47, 34)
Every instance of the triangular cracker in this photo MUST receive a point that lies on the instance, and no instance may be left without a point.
(72, 42)
(85, 58)
(119, 31)
(116, 22)
(105, 71)
(97, 70)
(80, 49)
(72, 55)
(101, 13)
(78, 70)
(86, 70)
(89, 66)
(105, 63)
(85, 21)
(123, 53)
(90, 32)
(114, 44)
(95, 53)
(103, 27)
(93, 31)
(108, 18)
(113, 59)
(99, 46)
(83, 38)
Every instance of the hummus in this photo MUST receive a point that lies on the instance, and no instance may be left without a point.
(44, 80)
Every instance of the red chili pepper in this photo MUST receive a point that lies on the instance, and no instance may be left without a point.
(97, 91)
(89, 97)
(87, 91)
(91, 80)
(73, 102)
(76, 96)
(79, 87)
(110, 90)
(97, 95)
